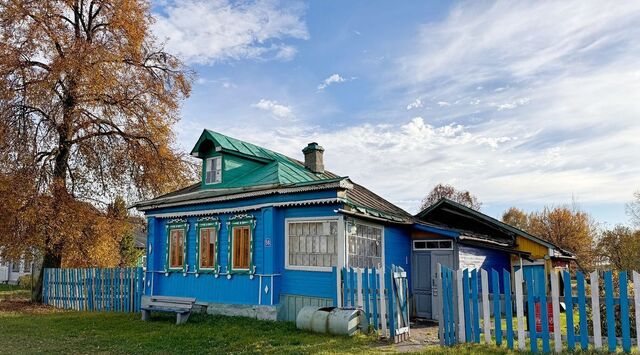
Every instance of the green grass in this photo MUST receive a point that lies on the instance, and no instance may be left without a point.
(13, 292)
(28, 328)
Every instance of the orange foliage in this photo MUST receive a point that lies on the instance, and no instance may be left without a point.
(88, 99)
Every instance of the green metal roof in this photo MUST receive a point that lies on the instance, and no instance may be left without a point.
(275, 168)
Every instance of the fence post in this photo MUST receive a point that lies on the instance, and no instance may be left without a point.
(582, 309)
(439, 303)
(636, 297)
(383, 308)
(392, 305)
(568, 300)
(461, 324)
(611, 323)
(374, 293)
(555, 303)
(476, 311)
(531, 310)
(366, 296)
(486, 315)
(624, 312)
(497, 318)
(338, 276)
(508, 306)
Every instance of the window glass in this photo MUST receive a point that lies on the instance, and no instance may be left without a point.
(313, 243)
(214, 170)
(445, 244)
(432, 244)
(207, 252)
(15, 266)
(241, 247)
(176, 248)
(365, 246)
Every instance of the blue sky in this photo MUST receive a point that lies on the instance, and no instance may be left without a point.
(525, 104)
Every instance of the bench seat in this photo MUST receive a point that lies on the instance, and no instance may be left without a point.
(181, 306)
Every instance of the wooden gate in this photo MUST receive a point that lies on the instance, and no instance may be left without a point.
(382, 298)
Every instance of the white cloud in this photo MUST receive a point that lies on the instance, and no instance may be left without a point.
(415, 104)
(333, 79)
(276, 109)
(443, 103)
(206, 32)
(568, 90)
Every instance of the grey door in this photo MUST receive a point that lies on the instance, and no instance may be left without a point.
(422, 286)
(424, 279)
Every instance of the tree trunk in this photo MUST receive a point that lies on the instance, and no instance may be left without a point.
(52, 257)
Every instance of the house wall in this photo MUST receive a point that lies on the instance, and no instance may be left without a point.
(397, 248)
(537, 250)
(473, 257)
(268, 257)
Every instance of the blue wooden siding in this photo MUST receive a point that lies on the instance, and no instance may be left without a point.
(299, 282)
(473, 257)
(397, 248)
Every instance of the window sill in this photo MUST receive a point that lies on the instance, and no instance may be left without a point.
(309, 268)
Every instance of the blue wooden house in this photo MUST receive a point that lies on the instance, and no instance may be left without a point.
(260, 235)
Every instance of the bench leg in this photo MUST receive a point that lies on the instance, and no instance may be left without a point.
(182, 318)
(146, 315)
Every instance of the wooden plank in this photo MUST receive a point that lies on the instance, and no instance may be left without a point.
(485, 306)
(439, 303)
(338, 273)
(542, 294)
(461, 323)
(383, 306)
(466, 308)
(582, 309)
(595, 310)
(530, 310)
(374, 293)
(367, 296)
(508, 306)
(568, 301)
(624, 312)
(497, 317)
(611, 323)
(359, 288)
(345, 287)
(392, 306)
(636, 298)
(447, 287)
(476, 311)
(352, 287)
(555, 304)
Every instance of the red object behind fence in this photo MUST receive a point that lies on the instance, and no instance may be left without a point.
(549, 317)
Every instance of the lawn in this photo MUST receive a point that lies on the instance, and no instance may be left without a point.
(28, 328)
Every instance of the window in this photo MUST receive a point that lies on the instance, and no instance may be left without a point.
(213, 170)
(207, 249)
(432, 244)
(176, 246)
(365, 245)
(312, 244)
(241, 248)
(15, 266)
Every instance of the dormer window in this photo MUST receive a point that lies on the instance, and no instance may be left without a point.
(213, 170)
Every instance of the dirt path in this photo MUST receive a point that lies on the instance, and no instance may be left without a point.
(423, 334)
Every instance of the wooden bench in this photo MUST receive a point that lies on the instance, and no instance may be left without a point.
(181, 306)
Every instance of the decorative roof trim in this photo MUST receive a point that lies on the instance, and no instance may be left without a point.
(243, 208)
(149, 205)
(374, 218)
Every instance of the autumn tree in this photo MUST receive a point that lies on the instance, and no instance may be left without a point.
(567, 227)
(450, 192)
(516, 217)
(88, 98)
(620, 248)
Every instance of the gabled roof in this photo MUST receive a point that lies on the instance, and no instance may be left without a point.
(273, 168)
(275, 173)
(507, 228)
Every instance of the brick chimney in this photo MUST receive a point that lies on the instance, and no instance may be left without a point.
(313, 157)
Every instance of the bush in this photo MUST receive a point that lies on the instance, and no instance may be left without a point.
(24, 281)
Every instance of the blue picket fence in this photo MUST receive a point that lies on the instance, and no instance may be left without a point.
(382, 298)
(94, 289)
(465, 292)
